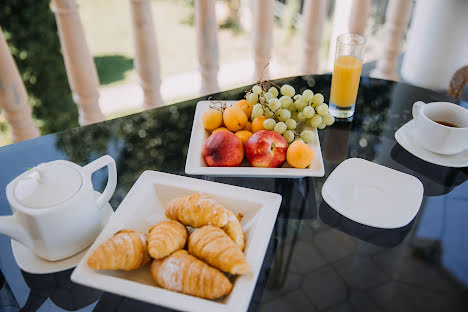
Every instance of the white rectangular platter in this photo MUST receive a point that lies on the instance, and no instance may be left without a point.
(196, 165)
(144, 206)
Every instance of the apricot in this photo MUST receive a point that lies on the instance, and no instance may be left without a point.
(234, 118)
(299, 154)
(220, 129)
(257, 123)
(248, 126)
(243, 135)
(246, 107)
(212, 119)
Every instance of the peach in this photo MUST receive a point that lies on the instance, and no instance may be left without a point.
(266, 149)
(257, 124)
(212, 119)
(223, 149)
(243, 135)
(220, 129)
(299, 154)
(246, 107)
(234, 118)
(248, 126)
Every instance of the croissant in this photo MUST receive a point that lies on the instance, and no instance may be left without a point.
(197, 210)
(166, 237)
(234, 230)
(212, 245)
(184, 273)
(126, 250)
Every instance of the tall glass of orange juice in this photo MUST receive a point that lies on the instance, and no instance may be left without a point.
(346, 74)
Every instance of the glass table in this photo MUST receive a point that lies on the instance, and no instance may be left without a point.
(317, 260)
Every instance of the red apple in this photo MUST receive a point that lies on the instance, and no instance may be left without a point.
(223, 149)
(266, 149)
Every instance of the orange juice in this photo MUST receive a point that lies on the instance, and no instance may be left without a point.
(345, 81)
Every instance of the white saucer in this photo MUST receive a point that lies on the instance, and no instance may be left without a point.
(405, 138)
(372, 194)
(29, 262)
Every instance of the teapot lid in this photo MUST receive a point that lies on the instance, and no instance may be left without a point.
(48, 184)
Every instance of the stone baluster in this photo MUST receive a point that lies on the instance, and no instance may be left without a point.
(262, 37)
(358, 16)
(396, 20)
(314, 15)
(207, 44)
(81, 70)
(146, 53)
(13, 97)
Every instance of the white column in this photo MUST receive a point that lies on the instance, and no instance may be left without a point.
(207, 44)
(358, 16)
(146, 53)
(396, 21)
(262, 37)
(340, 26)
(314, 15)
(13, 97)
(81, 70)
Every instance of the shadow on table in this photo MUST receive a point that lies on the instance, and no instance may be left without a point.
(437, 180)
(376, 236)
(60, 289)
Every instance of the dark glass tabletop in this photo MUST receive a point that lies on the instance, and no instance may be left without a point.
(317, 260)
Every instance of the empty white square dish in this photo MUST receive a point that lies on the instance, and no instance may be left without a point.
(196, 165)
(372, 194)
(144, 206)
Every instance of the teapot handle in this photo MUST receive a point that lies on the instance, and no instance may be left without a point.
(99, 163)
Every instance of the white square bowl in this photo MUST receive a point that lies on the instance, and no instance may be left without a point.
(196, 165)
(144, 206)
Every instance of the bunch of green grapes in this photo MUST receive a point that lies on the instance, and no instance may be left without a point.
(285, 113)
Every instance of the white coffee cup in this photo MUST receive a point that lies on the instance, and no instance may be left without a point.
(433, 130)
(55, 210)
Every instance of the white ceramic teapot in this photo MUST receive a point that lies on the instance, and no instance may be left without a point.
(55, 210)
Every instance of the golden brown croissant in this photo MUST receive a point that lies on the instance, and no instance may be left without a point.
(197, 210)
(234, 230)
(212, 245)
(184, 273)
(126, 250)
(166, 237)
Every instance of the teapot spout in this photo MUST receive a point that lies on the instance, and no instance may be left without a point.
(9, 226)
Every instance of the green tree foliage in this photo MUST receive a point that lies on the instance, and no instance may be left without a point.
(30, 29)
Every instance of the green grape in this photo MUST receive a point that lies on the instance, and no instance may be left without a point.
(257, 110)
(321, 126)
(328, 119)
(315, 121)
(257, 89)
(287, 90)
(288, 135)
(280, 127)
(298, 139)
(274, 104)
(252, 98)
(308, 111)
(291, 123)
(317, 99)
(300, 104)
(308, 136)
(308, 95)
(300, 116)
(268, 96)
(297, 97)
(268, 113)
(322, 109)
(286, 101)
(273, 91)
(294, 115)
(262, 99)
(269, 124)
(283, 114)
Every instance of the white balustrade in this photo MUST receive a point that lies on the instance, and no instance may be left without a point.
(396, 20)
(13, 97)
(314, 15)
(207, 44)
(146, 53)
(81, 70)
(262, 37)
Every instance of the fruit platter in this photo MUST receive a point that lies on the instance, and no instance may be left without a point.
(271, 132)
